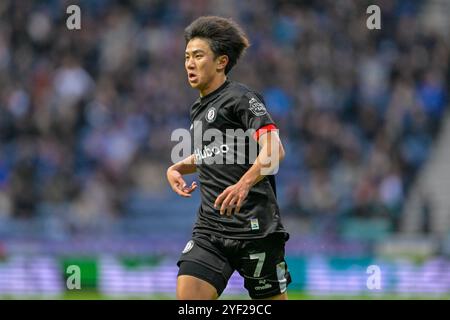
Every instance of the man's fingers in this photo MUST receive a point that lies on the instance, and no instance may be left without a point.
(182, 193)
(238, 205)
(229, 200)
(231, 206)
(180, 184)
(191, 188)
(225, 203)
(181, 189)
(220, 198)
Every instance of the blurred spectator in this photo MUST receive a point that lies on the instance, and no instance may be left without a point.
(86, 116)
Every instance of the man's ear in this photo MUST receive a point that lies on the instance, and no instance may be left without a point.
(222, 62)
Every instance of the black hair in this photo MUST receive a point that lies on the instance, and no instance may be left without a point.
(224, 36)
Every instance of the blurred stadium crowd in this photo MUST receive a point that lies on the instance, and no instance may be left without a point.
(86, 116)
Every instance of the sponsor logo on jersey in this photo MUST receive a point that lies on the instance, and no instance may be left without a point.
(211, 114)
(254, 224)
(210, 152)
(256, 107)
(188, 246)
(263, 286)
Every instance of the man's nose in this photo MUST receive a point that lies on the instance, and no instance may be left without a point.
(190, 63)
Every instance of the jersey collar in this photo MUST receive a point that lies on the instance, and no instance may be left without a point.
(211, 95)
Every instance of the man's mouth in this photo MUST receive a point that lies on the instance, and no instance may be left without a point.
(192, 76)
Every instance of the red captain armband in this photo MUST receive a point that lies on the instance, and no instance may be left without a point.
(264, 129)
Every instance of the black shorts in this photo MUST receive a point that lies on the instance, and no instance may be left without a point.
(259, 261)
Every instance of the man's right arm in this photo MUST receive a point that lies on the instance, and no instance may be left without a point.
(175, 176)
(185, 166)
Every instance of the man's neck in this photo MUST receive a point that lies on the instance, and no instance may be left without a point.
(215, 84)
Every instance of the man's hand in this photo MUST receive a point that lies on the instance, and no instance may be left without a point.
(232, 197)
(269, 157)
(178, 184)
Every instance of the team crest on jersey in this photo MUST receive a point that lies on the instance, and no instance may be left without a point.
(188, 246)
(256, 107)
(211, 114)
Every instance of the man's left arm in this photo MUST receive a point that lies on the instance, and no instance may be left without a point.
(269, 157)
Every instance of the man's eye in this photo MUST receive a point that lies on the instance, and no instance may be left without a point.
(198, 56)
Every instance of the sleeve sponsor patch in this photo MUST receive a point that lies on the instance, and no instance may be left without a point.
(256, 107)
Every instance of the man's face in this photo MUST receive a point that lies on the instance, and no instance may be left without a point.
(201, 67)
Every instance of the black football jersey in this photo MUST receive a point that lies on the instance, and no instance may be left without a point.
(222, 127)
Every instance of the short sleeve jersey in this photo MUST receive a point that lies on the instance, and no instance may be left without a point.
(224, 125)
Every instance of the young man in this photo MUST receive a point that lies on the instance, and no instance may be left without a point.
(238, 225)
